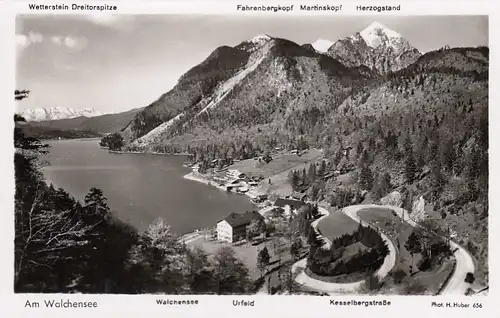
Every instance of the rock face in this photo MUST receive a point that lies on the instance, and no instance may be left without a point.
(393, 199)
(418, 212)
(262, 77)
(376, 47)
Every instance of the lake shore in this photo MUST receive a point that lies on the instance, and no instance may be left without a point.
(72, 139)
(78, 165)
(145, 153)
(198, 177)
(194, 176)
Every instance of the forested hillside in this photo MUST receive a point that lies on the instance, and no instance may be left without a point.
(422, 130)
(44, 133)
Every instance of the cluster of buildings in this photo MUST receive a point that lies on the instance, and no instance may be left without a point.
(233, 227)
(239, 182)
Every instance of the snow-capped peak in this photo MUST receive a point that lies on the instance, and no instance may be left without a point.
(44, 114)
(260, 39)
(322, 45)
(376, 34)
(254, 43)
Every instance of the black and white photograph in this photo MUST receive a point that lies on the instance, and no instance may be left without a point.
(191, 154)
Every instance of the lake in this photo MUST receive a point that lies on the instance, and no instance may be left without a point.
(140, 187)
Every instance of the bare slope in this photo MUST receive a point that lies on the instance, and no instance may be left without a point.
(279, 77)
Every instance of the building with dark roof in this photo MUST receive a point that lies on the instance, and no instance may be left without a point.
(233, 227)
(298, 196)
(260, 198)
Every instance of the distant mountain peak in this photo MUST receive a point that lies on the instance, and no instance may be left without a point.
(44, 114)
(379, 27)
(377, 47)
(322, 45)
(254, 43)
(260, 39)
(377, 34)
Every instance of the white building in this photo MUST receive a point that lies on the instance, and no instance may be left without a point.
(233, 227)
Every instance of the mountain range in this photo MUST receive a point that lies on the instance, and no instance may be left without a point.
(266, 76)
(100, 124)
(77, 127)
(260, 85)
(54, 113)
(263, 77)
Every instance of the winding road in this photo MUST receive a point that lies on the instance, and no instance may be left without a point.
(464, 263)
(338, 288)
(455, 286)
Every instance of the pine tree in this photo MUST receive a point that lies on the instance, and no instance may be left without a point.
(366, 179)
(322, 168)
(407, 146)
(263, 259)
(338, 156)
(448, 155)
(304, 177)
(414, 246)
(359, 149)
(407, 200)
(95, 204)
(294, 179)
(371, 143)
(365, 159)
(472, 173)
(410, 169)
(312, 237)
(437, 178)
(311, 176)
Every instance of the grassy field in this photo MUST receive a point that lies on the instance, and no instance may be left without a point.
(247, 253)
(281, 162)
(398, 232)
(435, 279)
(336, 224)
(278, 169)
(338, 279)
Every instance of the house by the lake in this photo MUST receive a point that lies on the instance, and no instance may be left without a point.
(233, 227)
(260, 198)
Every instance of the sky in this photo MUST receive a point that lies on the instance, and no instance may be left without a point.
(116, 63)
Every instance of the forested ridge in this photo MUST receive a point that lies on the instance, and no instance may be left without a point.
(421, 131)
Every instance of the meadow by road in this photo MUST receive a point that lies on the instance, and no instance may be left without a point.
(455, 286)
(464, 262)
(338, 288)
